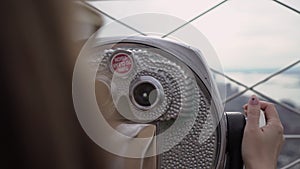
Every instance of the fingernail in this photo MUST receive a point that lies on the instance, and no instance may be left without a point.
(253, 100)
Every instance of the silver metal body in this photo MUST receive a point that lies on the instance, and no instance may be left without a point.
(196, 150)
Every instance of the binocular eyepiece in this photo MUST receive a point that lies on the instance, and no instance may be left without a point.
(145, 92)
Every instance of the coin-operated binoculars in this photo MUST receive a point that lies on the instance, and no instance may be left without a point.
(159, 101)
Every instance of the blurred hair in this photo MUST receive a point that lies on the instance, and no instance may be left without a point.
(37, 59)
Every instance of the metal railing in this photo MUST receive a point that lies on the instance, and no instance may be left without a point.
(228, 99)
(291, 164)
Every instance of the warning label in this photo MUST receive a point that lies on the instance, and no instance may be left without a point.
(121, 63)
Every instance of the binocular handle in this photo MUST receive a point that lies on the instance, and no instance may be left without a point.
(235, 130)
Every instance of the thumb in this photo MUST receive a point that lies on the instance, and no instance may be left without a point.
(253, 112)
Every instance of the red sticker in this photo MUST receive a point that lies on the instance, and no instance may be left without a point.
(121, 63)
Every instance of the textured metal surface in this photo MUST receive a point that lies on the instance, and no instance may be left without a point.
(198, 149)
(177, 84)
(171, 91)
(181, 94)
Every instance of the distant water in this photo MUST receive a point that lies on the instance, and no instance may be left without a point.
(282, 87)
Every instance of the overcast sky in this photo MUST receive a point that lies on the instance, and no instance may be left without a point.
(254, 34)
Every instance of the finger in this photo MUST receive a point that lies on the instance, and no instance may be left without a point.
(253, 112)
(245, 107)
(271, 113)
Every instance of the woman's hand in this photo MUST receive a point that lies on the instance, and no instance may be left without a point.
(261, 145)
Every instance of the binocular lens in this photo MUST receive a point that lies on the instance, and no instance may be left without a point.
(145, 94)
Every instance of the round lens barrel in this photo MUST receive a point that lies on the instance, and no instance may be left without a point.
(145, 94)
